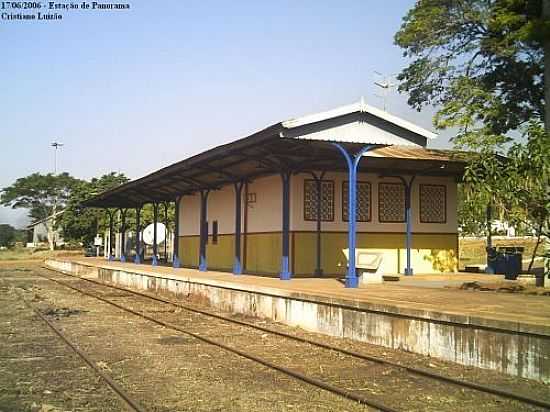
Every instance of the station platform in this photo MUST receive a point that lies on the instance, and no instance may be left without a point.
(426, 314)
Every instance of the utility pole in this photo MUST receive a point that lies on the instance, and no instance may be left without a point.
(56, 146)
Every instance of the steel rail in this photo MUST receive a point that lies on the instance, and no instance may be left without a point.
(132, 404)
(421, 372)
(290, 372)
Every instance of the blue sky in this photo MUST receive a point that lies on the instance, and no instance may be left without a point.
(135, 90)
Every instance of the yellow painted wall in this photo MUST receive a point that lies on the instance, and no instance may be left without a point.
(264, 252)
(431, 253)
(189, 250)
(221, 255)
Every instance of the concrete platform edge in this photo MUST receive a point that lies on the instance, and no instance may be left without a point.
(514, 348)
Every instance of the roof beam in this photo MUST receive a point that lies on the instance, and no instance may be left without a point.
(199, 185)
(222, 172)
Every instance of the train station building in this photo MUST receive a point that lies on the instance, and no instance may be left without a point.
(279, 201)
(264, 224)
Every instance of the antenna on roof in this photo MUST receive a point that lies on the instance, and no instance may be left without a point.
(56, 145)
(384, 83)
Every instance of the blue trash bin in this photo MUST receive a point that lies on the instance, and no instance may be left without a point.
(500, 262)
(513, 257)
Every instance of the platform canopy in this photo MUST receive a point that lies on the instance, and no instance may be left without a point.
(298, 145)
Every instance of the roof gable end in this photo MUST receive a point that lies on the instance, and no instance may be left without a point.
(357, 123)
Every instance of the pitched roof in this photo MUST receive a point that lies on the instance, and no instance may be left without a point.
(358, 107)
(300, 144)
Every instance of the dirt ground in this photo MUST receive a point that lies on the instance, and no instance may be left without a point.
(167, 371)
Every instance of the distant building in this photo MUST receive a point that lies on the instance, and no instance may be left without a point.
(42, 233)
(503, 227)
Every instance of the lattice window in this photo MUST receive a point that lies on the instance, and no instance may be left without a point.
(327, 200)
(391, 202)
(363, 201)
(433, 203)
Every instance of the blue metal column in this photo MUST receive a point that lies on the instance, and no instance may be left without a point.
(319, 187)
(408, 222)
(155, 261)
(285, 266)
(122, 235)
(137, 258)
(408, 218)
(111, 228)
(352, 162)
(176, 261)
(165, 232)
(237, 267)
(203, 266)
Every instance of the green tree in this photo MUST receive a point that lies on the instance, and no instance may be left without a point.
(471, 212)
(480, 62)
(79, 224)
(21, 235)
(39, 193)
(42, 195)
(7, 235)
(517, 186)
(485, 65)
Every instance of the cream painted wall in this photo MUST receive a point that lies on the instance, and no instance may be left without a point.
(265, 215)
(297, 222)
(190, 207)
(221, 207)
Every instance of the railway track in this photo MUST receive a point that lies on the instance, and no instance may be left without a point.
(130, 403)
(343, 392)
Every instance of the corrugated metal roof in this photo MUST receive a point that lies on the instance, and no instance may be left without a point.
(301, 144)
(356, 132)
(359, 107)
(235, 161)
(416, 153)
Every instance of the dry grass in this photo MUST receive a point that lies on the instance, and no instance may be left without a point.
(20, 253)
